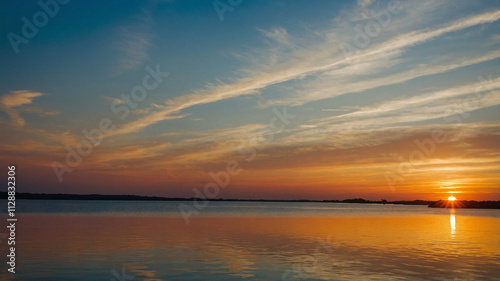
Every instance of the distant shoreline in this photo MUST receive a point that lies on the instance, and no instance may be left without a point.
(432, 204)
(62, 196)
(465, 204)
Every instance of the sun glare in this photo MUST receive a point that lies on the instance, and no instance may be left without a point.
(452, 198)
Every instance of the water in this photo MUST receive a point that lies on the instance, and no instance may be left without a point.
(120, 240)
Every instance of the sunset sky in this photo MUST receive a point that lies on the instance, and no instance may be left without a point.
(310, 99)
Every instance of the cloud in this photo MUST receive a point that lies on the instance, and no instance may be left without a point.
(427, 106)
(177, 149)
(335, 109)
(40, 111)
(134, 43)
(374, 151)
(10, 102)
(450, 106)
(304, 62)
(364, 3)
(115, 100)
(278, 34)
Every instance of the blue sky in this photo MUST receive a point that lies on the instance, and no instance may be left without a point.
(363, 89)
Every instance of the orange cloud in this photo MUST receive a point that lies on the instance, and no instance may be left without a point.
(16, 99)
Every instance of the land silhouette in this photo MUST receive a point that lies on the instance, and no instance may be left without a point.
(466, 204)
(126, 197)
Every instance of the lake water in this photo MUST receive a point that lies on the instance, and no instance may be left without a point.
(120, 240)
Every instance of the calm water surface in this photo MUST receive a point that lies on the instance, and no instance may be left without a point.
(118, 240)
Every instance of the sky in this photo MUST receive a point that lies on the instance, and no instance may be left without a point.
(252, 99)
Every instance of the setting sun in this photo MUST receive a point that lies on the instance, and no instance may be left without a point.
(452, 198)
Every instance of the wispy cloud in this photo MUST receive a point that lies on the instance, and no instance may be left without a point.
(364, 3)
(10, 102)
(306, 62)
(39, 111)
(115, 100)
(134, 42)
(279, 35)
(384, 125)
(354, 128)
(335, 109)
(422, 107)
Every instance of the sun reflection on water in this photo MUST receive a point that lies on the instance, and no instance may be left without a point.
(452, 223)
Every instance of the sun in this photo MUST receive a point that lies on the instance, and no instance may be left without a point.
(452, 198)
